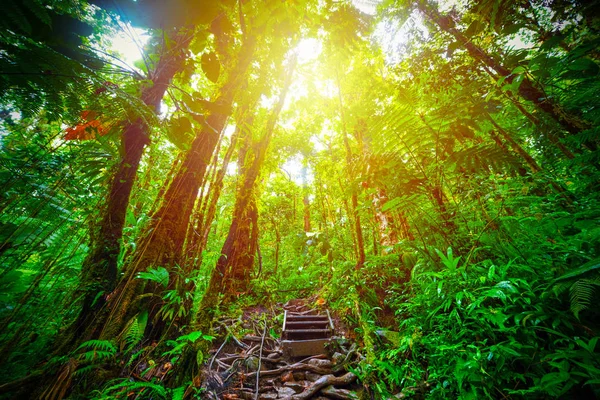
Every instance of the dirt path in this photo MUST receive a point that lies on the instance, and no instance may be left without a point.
(255, 366)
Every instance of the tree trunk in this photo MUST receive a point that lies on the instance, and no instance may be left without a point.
(277, 244)
(360, 243)
(232, 272)
(99, 270)
(555, 140)
(165, 237)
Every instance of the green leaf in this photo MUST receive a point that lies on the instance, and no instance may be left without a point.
(180, 133)
(159, 275)
(211, 66)
(473, 29)
(552, 42)
(510, 29)
(584, 64)
(392, 204)
(585, 268)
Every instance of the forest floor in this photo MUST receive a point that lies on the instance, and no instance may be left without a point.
(254, 364)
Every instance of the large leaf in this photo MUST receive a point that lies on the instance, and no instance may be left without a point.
(578, 272)
(159, 275)
(180, 133)
(211, 66)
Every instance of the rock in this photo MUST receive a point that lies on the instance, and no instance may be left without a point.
(338, 358)
(285, 392)
(251, 363)
(311, 376)
(299, 376)
(317, 362)
(297, 387)
(267, 396)
(287, 377)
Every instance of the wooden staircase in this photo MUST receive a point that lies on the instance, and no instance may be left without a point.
(306, 334)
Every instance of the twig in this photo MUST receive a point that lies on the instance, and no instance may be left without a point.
(260, 359)
(217, 353)
(236, 340)
(318, 356)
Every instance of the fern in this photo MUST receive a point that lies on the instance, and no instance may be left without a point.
(99, 351)
(133, 332)
(128, 385)
(104, 345)
(178, 393)
(159, 275)
(582, 294)
(585, 281)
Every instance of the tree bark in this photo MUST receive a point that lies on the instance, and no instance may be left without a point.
(232, 272)
(99, 270)
(360, 242)
(165, 237)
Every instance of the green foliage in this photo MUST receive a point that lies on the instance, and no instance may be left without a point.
(125, 386)
(462, 160)
(180, 344)
(159, 275)
(134, 332)
(94, 353)
(583, 285)
(486, 329)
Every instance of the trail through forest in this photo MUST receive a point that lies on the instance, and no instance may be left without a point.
(259, 366)
(341, 199)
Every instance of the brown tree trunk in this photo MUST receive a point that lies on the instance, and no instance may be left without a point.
(163, 244)
(232, 272)
(306, 202)
(99, 270)
(277, 244)
(360, 242)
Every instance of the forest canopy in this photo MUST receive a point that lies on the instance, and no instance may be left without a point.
(172, 173)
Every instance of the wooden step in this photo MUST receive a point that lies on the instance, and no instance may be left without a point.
(320, 324)
(292, 317)
(303, 348)
(305, 335)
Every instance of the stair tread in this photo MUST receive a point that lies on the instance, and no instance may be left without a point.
(307, 317)
(301, 323)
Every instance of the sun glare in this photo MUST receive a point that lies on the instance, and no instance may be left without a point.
(308, 50)
(129, 44)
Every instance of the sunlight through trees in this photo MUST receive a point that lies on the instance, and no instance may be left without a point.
(173, 172)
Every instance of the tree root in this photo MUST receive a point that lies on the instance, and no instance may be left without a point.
(340, 394)
(324, 381)
(293, 367)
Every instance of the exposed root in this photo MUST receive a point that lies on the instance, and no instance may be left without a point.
(323, 382)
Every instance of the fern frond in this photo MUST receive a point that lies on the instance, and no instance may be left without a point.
(132, 386)
(582, 294)
(104, 345)
(133, 332)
